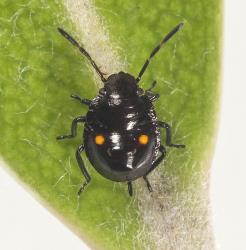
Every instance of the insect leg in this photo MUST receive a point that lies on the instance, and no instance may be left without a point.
(129, 183)
(151, 96)
(148, 184)
(169, 136)
(82, 168)
(83, 101)
(152, 86)
(158, 160)
(83, 51)
(73, 128)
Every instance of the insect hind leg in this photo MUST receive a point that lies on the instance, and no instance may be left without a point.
(129, 183)
(148, 184)
(158, 160)
(82, 168)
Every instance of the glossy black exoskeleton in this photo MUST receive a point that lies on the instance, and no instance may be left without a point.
(121, 130)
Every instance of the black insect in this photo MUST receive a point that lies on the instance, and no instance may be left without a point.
(121, 130)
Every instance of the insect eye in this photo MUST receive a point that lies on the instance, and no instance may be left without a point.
(102, 91)
(140, 91)
(143, 139)
(99, 139)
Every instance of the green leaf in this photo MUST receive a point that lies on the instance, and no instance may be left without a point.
(40, 69)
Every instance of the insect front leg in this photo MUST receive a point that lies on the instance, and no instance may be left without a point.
(169, 135)
(152, 97)
(152, 86)
(83, 101)
(73, 128)
(82, 168)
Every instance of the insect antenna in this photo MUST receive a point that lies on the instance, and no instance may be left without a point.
(83, 51)
(157, 48)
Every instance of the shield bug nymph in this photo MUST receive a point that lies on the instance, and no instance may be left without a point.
(121, 130)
